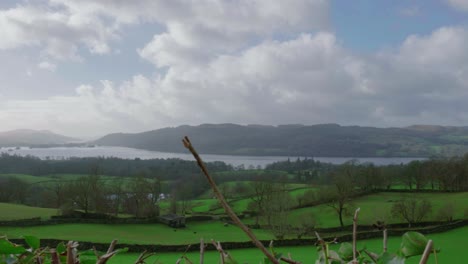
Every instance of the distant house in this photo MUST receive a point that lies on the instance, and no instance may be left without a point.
(173, 220)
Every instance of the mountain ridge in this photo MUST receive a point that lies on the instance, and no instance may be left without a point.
(326, 140)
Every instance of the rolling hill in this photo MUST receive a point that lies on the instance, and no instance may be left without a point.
(29, 137)
(326, 140)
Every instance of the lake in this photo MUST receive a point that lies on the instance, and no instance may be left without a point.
(131, 153)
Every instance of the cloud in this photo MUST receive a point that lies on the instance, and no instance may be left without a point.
(59, 32)
(461, 5)
(210, 28)
(45, 65)
(256, 63)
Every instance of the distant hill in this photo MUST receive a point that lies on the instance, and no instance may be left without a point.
(28, 137)
(327, 140)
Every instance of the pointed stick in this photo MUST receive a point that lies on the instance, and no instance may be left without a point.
(225, 205)
(427, 252)
(355, 261)
(202, 250)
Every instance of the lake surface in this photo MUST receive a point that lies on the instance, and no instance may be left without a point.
(130, 153)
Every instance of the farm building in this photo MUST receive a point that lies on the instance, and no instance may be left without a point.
(173, 220)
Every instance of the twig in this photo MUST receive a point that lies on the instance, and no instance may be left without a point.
(324, 245)
(373, 256)
(109, 254)
(54, 256)
(143, 256)
(202, 250)
(187, 259)
(225, 205)
(427, 252)
(71, 254)
(355, 261)
(218, 247)
(385, 239)
(289, 260)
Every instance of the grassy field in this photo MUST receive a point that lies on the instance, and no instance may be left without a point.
(136, 234)
(30, 179)
(452, 245)
(17, 211)
(377, 207)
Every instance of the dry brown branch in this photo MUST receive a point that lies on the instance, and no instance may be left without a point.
(218, 247)
(289, 260)
(143, 256)
(54, 256)
(355, 219)
(71, 252)
(109, 254)
(187, 259)
(371, 255)
(427, 252)
(202, 250)
(225, 205)
(385, 239)
(285, 259)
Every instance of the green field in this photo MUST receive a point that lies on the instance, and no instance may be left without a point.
(452, 245)
(17, 211)
(30, 179)
(377, 207)
(136, 233)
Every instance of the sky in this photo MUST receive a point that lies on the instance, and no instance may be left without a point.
(85, 68)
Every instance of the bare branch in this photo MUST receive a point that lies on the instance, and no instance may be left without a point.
(218, 247)
(143, 256)
(385, 239)
(202, 250)
(371, 255)
(54, 256)
(427, 252)
(71, 254)
(225, 205)
(289, 260)
(355, 219)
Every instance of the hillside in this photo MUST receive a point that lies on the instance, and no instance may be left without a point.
(327, 140)
(28, 137)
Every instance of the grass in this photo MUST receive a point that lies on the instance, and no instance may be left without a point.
(136, 233)
(378, 206)
(451, 243)
(16, 211)
(30, 179)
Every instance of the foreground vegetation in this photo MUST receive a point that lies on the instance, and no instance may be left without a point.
(451, 244)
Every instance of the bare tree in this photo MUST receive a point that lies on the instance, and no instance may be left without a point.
(342, 192)
(412, 210)
(277, 212)
(261, 191)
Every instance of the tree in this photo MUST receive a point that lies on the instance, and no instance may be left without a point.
(411, 210)
(13, 190)
(446, 212)
(343, 190)
(261, 190)
(277, 211)
(80, 193)
(140, 200)
(307, 223)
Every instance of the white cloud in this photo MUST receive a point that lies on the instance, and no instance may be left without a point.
(45, 65)
(209, 28)
(58, 31)
(255, 62)
(459, 4)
